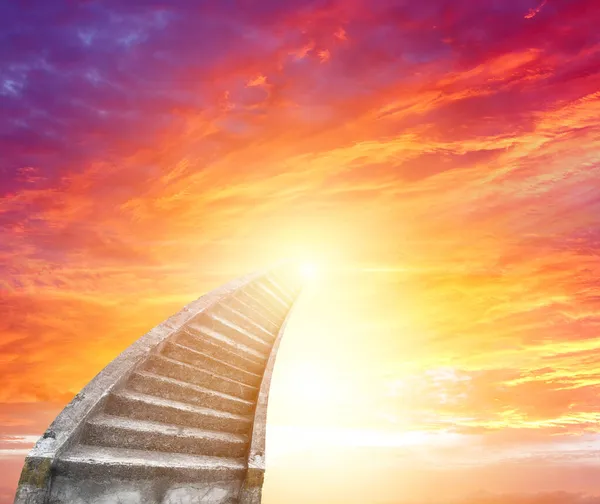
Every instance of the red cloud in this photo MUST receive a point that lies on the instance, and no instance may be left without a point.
(534, 12)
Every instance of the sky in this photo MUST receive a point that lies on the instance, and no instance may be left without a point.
(439, 163)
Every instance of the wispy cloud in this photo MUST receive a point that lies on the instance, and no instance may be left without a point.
(533, 12)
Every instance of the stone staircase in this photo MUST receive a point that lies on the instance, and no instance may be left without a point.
(177, 429)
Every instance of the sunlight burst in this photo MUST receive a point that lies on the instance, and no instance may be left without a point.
(308, 271)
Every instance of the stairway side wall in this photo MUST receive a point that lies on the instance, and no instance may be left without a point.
(251, 492)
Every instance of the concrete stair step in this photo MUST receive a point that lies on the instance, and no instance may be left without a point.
(290, 281)
(195, 341)
(230, 329)
(273, 296)
(257, 301)
(131, 404)
(121, 432)
(228, 313)
(202, 328)
(278, 287)
(254, 312)
(175, 390)
(164, 366)
(191, 356)
(265, 299)
(207, 341)
(105, 463)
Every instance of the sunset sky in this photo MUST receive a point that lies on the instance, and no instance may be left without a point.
(437, 160)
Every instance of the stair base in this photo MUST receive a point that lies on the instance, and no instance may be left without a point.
(100, 475)
(88, 491)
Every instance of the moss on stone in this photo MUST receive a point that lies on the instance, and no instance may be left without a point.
(254, 478)
(36, 472)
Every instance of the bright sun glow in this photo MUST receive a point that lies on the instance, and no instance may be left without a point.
(308, 271)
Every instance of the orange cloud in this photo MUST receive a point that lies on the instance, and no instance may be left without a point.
(258, 81)
(341, 34)
(324, 55)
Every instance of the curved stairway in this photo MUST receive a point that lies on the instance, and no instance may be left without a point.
(176, 426)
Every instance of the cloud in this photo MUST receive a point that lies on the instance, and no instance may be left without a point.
(540, 498)
(533, 12)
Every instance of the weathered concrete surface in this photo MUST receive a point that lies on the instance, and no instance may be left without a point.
(143, 491)
(252, 488)
(180, 415)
